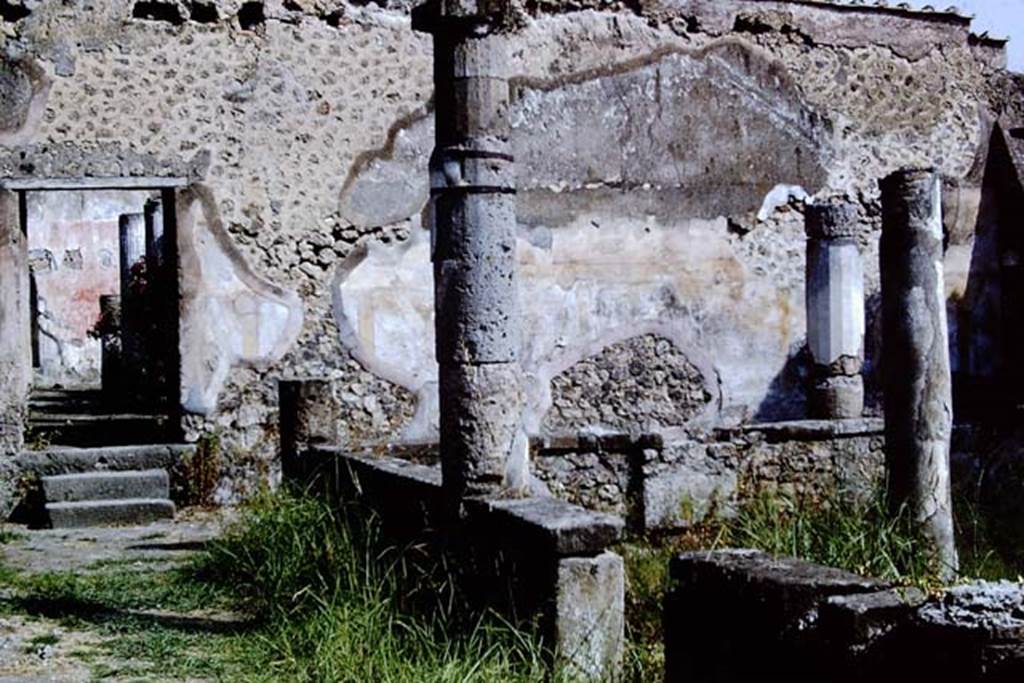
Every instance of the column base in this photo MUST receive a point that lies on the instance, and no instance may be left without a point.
(837, 398)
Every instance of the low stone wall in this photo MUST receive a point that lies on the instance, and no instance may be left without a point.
(669, 482)
(743, 615)
(539, 561)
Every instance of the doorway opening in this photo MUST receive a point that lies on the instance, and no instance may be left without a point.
(103, 302)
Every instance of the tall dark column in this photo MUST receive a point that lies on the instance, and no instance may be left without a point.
(132, 233)
(473, 208)
(915, 342)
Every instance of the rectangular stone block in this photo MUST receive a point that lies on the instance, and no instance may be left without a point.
(549, 526)
(108, 512)
(590, 616)
(734, 613)
(106, 486)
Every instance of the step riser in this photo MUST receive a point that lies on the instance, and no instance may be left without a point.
(57, 461)
(106, 486)
(108, 513)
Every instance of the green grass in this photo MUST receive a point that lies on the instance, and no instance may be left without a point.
(317, 601)
(8, 536)
(859, 537)
(339, 605)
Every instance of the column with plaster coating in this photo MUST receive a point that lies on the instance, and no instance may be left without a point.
(835, 311)
(915, 363)
(132, 234)
(483, 448)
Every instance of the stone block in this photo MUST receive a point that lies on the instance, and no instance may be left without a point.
(853, 624)
(743, 612)
(681, 495)
(89, 513)
(106, 486)
(590, 616)
(548, 526)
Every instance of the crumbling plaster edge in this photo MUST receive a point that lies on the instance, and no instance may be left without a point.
(41, 84)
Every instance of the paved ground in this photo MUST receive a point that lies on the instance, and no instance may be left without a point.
(38, 648)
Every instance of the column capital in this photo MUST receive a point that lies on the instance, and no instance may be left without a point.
(831, 219)
(437, 16)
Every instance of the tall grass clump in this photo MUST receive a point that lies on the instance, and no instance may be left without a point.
(860, 536)
(337, 604)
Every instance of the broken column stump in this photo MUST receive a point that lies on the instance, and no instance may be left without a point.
(483, 448)
(915, 361)
(835, 311)
(308, 420)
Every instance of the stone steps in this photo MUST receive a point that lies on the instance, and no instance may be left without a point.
(117, 485)
(83, 418)
(71, 460)
(125, 512)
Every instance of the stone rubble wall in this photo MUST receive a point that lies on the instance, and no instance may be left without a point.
(672, 483)
(684, 130)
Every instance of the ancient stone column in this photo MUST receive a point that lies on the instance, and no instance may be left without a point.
(915, 362)
(473, 207)
(835, 311)
(15, 325)
(132, 234)
(154, 213)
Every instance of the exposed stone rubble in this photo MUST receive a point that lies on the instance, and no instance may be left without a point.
(642, 383)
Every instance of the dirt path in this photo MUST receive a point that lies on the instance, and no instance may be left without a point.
(80, 604)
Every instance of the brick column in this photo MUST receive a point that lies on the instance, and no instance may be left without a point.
(473, 205)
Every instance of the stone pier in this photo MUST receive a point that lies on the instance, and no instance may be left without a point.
(15, 325)
(133, 333)
(835, 311)
(915, 363)
(309, 420)
(483, 449)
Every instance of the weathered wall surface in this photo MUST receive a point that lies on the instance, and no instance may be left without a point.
(74, 258)
(658, 150)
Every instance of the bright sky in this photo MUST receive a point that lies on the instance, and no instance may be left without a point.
(1001, 18)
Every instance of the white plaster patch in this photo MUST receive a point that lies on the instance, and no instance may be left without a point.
(581, 289)
(228, 313)
(780, 196)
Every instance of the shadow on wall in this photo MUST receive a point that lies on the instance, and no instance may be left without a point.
(989, 323)
(787, 394)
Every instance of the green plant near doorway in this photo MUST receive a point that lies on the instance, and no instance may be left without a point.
(198, 472)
